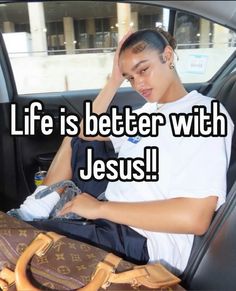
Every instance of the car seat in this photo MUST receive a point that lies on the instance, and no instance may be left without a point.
(225, 92)
(212, 263)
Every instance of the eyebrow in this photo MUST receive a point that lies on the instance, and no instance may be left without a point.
(135, 67)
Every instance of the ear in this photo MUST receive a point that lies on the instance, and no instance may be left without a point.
(168, 54)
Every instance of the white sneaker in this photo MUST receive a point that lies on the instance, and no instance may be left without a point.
(33, 208)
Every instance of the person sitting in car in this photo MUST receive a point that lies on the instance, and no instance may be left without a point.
(155, 220)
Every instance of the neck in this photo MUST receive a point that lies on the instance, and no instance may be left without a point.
(175, 91)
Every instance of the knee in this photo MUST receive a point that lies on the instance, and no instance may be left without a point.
(67, 140)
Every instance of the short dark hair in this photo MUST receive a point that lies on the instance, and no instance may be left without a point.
(152, 38)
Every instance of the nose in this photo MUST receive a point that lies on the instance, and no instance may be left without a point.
(138, 83)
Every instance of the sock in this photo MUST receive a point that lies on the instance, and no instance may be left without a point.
(38, 208)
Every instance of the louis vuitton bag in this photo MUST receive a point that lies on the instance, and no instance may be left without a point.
(31, 260)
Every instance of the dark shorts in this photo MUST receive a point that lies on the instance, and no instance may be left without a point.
(119, 239)
(101, 150)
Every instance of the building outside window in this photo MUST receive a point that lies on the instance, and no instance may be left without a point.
(64, 41)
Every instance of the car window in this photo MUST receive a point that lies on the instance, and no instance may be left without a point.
(203, 47)
(68, 45)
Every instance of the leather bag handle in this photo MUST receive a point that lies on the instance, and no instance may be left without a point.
(152, 276)
(39, 246)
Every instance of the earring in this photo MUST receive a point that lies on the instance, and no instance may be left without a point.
(171, 66)
(163, 59)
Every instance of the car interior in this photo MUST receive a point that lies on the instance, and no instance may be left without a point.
(212, 262)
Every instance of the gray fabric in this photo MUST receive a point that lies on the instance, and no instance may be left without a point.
(69, 192)
(67, 195)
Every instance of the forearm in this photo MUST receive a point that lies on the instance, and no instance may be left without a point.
(103, 100)
(181, 215)
(177, 215)
(101, 104)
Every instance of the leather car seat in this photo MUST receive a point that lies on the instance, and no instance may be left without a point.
(212, 263)
(225, 92)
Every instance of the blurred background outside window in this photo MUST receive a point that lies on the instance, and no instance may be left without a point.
(69, 45)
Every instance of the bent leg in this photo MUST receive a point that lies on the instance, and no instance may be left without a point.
(60, 168)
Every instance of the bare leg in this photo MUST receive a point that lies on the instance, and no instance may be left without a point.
(60, 168)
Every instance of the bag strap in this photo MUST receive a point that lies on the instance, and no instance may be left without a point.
(152, 275)
(7, 279)
(102, 274)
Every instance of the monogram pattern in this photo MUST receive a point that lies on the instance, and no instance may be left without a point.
(75, 258)
(23, 232)
(63, 270)
(81, 267)
(42, 260)
(67, 265)
(49, 285)
(60, 257)
(6, 232)
(72, 246)
(20, 247)
(58, 246)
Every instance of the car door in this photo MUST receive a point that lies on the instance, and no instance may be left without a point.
(65, 59)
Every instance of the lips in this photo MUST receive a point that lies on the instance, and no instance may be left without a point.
(146, 93)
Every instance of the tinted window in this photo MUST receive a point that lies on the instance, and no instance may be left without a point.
(69, 45)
